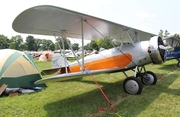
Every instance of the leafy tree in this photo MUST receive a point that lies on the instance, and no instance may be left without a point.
(94, 45)
(87, 47)
(30, 42)
(161, 33)
(4, 42)
(51, 45)
(25, 46)
(60, 40)
(75, 46)
(37, 45)
(56, 46)
(166, 34)
(176, 36)
(47, 45)
(16, 42)
(104, 43)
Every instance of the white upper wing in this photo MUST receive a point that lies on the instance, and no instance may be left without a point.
(51, 20)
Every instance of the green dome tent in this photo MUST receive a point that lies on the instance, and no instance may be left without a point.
(17, 69)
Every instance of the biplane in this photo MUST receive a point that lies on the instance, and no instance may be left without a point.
(136, 49)
(174, 51)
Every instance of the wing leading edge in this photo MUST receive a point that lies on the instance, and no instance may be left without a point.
(51, 20)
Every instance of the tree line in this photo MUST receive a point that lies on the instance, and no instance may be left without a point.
(165, 34)
(35, 44)
(32, 44)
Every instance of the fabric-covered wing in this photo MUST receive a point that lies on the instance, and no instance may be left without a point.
(62, 77)
(51, 20)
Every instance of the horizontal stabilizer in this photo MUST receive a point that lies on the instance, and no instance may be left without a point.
(49, 71)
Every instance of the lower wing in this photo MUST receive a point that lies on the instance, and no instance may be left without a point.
(67, 76)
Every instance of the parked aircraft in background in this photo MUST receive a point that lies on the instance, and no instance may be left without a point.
(67, 53)
(34, 54)
(174, 52)
(137, 47)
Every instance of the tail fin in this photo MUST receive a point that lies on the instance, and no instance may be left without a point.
(32, 60)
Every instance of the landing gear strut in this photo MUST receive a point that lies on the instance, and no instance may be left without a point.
(133, 85)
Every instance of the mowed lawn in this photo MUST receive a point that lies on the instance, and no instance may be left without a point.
(80, 97)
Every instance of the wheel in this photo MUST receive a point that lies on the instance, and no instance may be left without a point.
(149, 78)
(178, 63)
(132, 85)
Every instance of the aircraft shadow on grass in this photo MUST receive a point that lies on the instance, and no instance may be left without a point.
(89, 102)
(169, 66)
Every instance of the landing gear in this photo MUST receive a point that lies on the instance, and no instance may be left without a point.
(149, 78)
(133, 85)
(178, 63)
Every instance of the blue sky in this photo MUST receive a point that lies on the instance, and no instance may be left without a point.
(146, 15)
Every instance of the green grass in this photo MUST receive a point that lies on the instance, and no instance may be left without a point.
(81, 97)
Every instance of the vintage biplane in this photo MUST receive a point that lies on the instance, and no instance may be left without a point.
(174, 48)
(136, 49)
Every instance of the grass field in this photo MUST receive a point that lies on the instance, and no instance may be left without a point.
(81, 97)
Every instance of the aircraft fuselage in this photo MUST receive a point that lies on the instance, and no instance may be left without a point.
(124, 57)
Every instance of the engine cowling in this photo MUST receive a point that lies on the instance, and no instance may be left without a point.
(157, 50)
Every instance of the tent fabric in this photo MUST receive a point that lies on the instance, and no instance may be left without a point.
(17, 69)
(22, 81)
(42, 58)
(45, 56)
(31, 58)
(19, 65)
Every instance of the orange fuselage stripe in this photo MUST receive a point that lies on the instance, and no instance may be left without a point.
(119, 61)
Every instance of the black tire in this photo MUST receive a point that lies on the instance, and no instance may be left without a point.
(132, 85)
(178, 64)
(149, 78)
